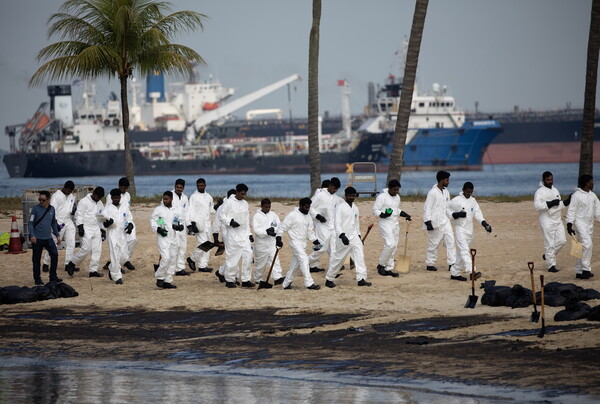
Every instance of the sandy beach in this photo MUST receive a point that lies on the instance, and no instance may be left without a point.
(415, 325)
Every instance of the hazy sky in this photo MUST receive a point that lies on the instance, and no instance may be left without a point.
(501, 53)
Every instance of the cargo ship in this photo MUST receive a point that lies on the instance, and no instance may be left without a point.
(192, 132)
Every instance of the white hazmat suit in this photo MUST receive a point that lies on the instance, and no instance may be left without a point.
(116, 237)
(130, 238)
(199, 211)
(89, 214)
(389, 227)
(168, 245)
(181, 204)
(264, 244)
(323, 204)
(63, 206)
(583, 210)
(237, 241)
(436, 211)
(551, 222)
(463, 228)
(300, 230)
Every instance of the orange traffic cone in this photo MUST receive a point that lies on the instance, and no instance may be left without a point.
(15, 245)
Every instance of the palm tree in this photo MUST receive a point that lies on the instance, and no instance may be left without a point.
(586, 156)
(108, 38)
(313, 99)
(408, 83)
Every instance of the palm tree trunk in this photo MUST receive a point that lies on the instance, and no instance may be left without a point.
(313, 99)
(128, 158)
(586, 156)
(408, 84)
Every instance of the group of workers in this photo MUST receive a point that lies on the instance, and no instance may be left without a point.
(328, 222)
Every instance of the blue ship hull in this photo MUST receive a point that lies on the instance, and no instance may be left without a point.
(457, 149)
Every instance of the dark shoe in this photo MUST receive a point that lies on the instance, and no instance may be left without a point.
(106, 266)
(45, 268)
(57, 279)
(431, 268)
(182, 273)
(129, 266)
(477, 275)
(191, 264)
(392, 274)
(39, 282)
(458, 278)
(584, 275)
(314, 287)
(70, 268)
(279, 281)
(288, 287)
(160, 283)
(330, 284)
(205, 269)
(167, 285)
(363, 282)
(316, 269)
(221, 277)
(119, 282)
(247, 284)
(553, 269)
(230, 284)
(381, 270)
(96, 274)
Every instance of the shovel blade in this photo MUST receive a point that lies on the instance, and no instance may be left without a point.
(535, 317)
(402, 264)
(264, 285)
(471, 302)
(542, 330)
(206, 246)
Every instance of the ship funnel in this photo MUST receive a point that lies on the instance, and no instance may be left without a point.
(155, 83)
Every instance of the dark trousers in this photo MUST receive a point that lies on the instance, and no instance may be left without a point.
(49, 245)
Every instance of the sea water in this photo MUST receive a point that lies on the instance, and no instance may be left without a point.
(499, 179)
(29, 380)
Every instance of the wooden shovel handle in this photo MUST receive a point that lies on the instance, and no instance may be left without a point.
(542, 294)
(530, 265)
(367, 233)
(473, 252)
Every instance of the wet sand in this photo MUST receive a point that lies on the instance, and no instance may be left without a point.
(412, 326)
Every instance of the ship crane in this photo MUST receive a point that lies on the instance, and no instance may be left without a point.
(226, 109)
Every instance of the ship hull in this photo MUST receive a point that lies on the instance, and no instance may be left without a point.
(454, 149)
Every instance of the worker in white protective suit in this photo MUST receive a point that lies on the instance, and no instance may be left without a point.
(88, 218)
(198, 218)
(181, 203)
(118, 223)
(387, 209)
(464, 208)
(131, 238)
(63, 201)
(217, 228)
(322, 211)
(549, 206)
(164, 222)
(265, 223)
(436, 220)
(583, 210)
(299, 226)
(348, 241)
(238, 238)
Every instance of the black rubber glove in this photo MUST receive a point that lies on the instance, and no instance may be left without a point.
(383, 215)
(108, 223)
(177, 227)
(429, 225)
(162, 232)
(193, 228)
(344, 239)
(567, 201)
(406, 215)
(278, 242)
(570, 229)
(129, 228)
(553, 203)
(80, 230)
(216, 238)
(234, 224)
(320, 218)
(486, 226)
(271, 232)
(102, 234)
(251, 237)
(456, 215)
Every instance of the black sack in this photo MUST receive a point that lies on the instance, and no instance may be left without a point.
(44, 293)
(573, 311)
(17, 294)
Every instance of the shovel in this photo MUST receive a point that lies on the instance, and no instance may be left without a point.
(266, 284)
(349, 260)
(206, 246)
(535, 316)
(472, 300)
(220, 248)
(402, 263)
(543, 329)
